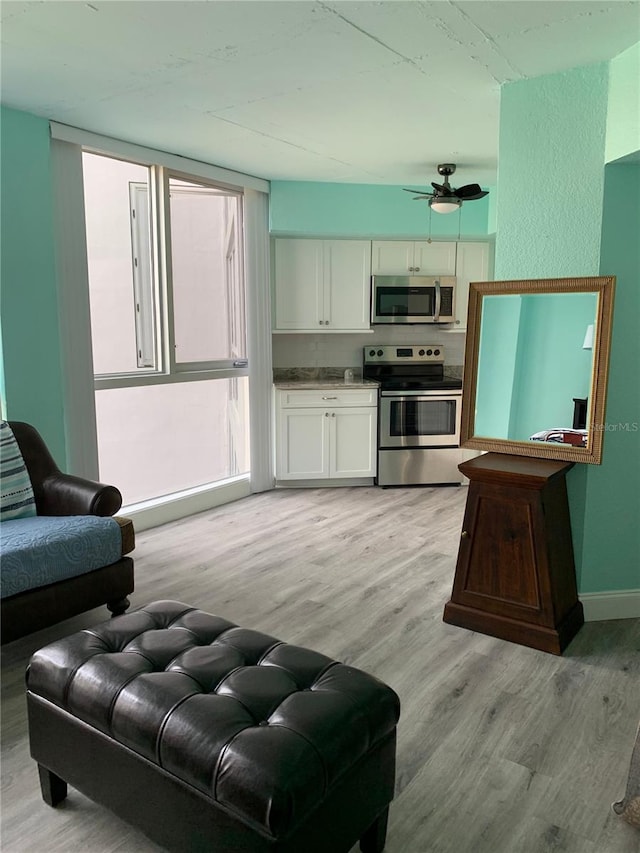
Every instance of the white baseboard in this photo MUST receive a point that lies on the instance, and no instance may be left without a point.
(327, 483)
(161, 511)
(618, 604)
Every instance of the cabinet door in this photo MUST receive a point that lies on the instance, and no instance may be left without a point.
(392, 257)
(353, 442)
(347, 283)
(472, 264)
(402, 257)
(434, 258)
(303, 444)
(299, 290)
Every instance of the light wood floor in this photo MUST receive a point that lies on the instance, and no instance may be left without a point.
(501, 749)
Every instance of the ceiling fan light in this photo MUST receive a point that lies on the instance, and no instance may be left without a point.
(444, 205)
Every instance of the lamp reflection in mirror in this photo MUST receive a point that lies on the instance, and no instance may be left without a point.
(588, 338)
(524, 365)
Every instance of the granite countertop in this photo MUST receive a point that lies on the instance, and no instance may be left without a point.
(312, 378)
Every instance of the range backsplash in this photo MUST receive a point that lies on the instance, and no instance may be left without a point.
(342, 351)
(307, 374)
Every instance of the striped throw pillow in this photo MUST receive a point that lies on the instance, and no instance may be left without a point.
(16, 493)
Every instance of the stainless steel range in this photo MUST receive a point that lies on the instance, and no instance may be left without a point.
(418, 415)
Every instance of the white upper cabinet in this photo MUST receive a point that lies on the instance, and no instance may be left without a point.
(402, 257)
(299, 286)
(322, 285)
(472, 265)
(347, 283)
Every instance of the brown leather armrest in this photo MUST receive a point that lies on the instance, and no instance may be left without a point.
(66, 494)
(57, 493)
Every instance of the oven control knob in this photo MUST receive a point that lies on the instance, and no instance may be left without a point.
(429, 352)
(372, 352)
(436, 352)
(380, 352)
(421, 352)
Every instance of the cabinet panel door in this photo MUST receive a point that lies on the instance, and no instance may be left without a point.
(392, 257)
(298, 284)
(353, 442)
(347, 281)
(500, 564)
(303, 444)
(435, 258)
(472, 264)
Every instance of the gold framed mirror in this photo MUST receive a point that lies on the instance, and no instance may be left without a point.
(536, 367)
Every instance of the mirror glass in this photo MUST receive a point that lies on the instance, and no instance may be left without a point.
(536, 367)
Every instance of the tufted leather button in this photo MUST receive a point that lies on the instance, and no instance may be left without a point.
(263, 723)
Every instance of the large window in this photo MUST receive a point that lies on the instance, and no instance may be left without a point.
(168, 328)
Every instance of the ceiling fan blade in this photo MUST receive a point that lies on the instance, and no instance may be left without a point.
(470, 192)
(439, 188)
(411, 191)
(481, 194)
(423, 196)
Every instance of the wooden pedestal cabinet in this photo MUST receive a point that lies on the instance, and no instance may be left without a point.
(515, 575)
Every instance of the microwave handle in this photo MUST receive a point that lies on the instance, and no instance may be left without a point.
(436, 312)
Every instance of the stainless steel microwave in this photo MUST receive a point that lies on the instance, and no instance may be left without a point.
(412, 299)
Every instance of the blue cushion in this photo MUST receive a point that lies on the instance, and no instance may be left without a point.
(44, 549)
(16, 493)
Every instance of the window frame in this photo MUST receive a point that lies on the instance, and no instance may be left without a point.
(167, 370)
(144, 291)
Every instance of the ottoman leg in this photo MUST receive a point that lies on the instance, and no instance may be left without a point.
(374, 838)
(117, 608)
(54, 789)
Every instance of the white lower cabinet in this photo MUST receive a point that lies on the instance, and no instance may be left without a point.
(326, 434)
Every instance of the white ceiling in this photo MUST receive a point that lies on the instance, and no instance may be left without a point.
(366, 92)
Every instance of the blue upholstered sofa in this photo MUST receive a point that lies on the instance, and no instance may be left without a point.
(61, 550)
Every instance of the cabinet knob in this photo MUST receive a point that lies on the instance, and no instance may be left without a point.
(333, 414)
(326, 414)
(417, 269)
(465, 534)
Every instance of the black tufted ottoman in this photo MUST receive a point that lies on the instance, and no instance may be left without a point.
(212, 737)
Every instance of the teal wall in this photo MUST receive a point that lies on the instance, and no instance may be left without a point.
(301, 208)
(496, 364)
(531, 362)
(551, 366)
(550, 223)
(30, 357)
(612, 515)
(623, 113)
(551, 174)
